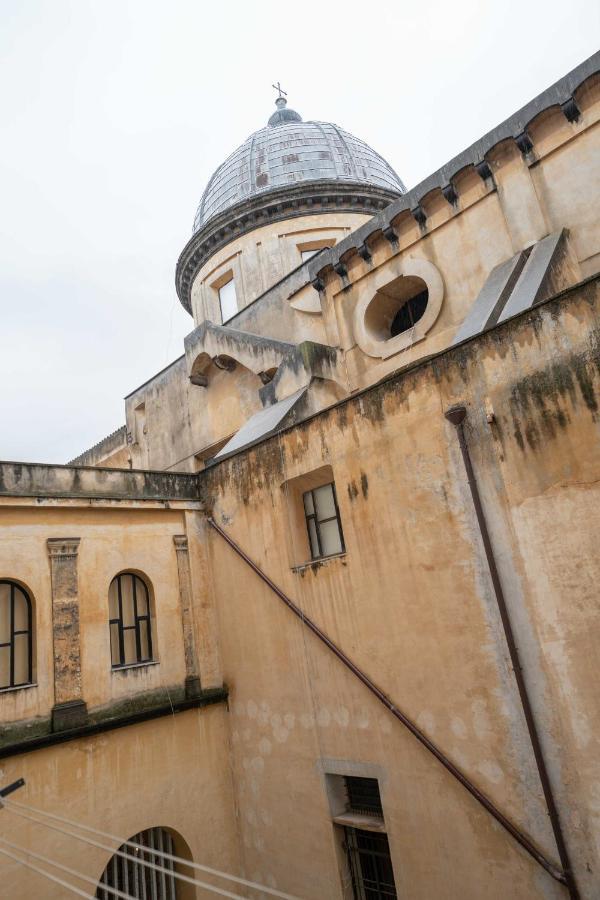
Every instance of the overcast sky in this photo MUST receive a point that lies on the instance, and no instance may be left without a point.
(115, 113)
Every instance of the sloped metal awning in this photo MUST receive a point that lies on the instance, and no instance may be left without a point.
(261, 425)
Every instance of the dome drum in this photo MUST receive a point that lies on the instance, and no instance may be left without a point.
(313, 198)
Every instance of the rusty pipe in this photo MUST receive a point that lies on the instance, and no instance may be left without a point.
(457, 415)
(481, 798)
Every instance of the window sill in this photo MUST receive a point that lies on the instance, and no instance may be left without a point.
(18, 687)
(141, 665)
(316, 563)
(363, 822)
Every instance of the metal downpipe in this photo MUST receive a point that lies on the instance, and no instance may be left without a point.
(457, 415)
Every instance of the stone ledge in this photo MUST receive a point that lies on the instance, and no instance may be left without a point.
(559, 95)
(104, 722)
(42, 480)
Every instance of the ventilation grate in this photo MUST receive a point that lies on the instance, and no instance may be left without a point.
(363, 796)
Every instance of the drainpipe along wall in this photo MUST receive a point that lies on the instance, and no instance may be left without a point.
(457, 415)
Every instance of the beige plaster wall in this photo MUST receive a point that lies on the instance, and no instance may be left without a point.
(114, 537)
(169, 772)
(411, 603)
(181, 419)
(262, 257)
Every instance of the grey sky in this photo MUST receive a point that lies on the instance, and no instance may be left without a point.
(116, 112)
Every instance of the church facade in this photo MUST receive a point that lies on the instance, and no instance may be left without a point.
(323, 614)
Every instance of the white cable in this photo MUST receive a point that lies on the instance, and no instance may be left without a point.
(110, 890)
(127, 856)
(140, 847)
(29, 865)
(9, 804)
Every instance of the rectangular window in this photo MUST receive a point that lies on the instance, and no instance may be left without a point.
(323, 522)
(363, 796)
(228, 301)
(370, 864)
(306, 254)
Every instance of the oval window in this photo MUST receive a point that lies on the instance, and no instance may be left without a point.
(396, 307)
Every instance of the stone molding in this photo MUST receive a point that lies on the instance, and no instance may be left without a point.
(65, 548)
(382, 349)
(39, 480)
(515, 128)
(181, 543)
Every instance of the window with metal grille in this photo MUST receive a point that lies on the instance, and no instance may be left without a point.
(323, 521)
(370, 864)
(129, 619)
(409, 313)
(127, 873)
(363, 795)
(15, 636)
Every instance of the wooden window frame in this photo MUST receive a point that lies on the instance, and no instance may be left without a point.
(318, 522)
(118, 621)
(14, 587)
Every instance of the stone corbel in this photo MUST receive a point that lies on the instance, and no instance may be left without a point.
(524, 143)
(483, 170)
(364, 252)
(419, 215)
(450, 194)
(390, 235)
(70, 709)
(341, 270)
(570, 109)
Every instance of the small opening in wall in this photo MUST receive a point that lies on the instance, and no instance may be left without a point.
(363, 795)
(397, 307)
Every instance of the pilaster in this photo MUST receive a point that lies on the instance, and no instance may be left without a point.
(192, 671)
(518, 198)
(70, 710)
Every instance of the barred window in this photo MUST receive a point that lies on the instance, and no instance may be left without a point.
(130, 621)
(15, 636)
(323, 521)
(130, 874)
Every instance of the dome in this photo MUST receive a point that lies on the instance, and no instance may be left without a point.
(288, 152)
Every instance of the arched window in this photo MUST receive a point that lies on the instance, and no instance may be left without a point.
(130, 622)
(129, 874)
(15, 636)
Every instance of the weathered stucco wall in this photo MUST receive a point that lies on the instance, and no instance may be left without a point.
(170, 772)
(525, 197)
(411, 603)
(515, 200)
(262, 257)
(171, 420)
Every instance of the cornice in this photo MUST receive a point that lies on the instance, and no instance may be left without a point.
(181, 543)
(306, 198)
(65, 548)
(515, 128)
